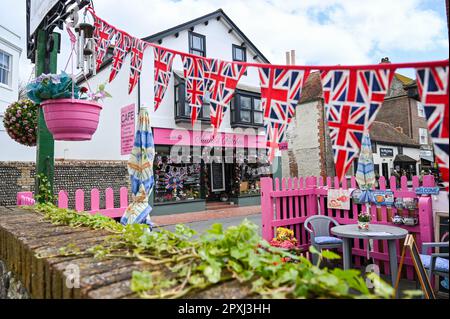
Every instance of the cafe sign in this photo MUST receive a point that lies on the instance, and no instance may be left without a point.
(386, 152)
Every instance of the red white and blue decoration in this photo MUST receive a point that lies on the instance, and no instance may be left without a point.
(103, 35)
(174, 180)
(137, 54)
(121, 48)
(352, 101)
(433, 86)
(163, 60)
(280, 93)
(194, 73)
(223, 78)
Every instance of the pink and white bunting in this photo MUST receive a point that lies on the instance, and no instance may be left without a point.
(433, 87)
(137, 54)
(121, 49)
(195, 70)
(280, 93)
(223, 78)
(352, 101)
(163, 60)
(103, 35)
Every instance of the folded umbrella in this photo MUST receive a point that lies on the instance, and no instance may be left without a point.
(140, 168)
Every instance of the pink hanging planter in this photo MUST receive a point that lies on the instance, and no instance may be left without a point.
(71, 119)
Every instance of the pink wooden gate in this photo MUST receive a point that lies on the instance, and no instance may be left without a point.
(289, 203)
(26, 199)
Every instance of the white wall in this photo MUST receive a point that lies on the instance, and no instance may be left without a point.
(105, 143)
(9, 149)
(409, 151)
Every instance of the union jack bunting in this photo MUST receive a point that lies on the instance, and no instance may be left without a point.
(137, 54)
(121, 48)
(194, 73)
(433, 86)
(103, 34)
(223, 78)
(352, 100)
(163, 71)
(280, 93)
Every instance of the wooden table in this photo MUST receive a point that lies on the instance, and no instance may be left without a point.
(375, 232)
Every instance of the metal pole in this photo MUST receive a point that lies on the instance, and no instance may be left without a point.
(47, 47)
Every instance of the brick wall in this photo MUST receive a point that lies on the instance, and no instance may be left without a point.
(69, 175)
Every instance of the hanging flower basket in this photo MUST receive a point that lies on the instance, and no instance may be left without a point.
(71, 119)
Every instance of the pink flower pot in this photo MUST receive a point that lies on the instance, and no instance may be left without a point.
(71, 119)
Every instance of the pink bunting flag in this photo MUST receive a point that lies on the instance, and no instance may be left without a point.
(103, 35)
(194, 73)
(121, 49)
(162, 73)
(433, 87)
(137, 54)
(280, 93)
(223, 78)
(352, 101)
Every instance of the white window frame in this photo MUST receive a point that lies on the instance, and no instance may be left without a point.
(423, 132)
(2, 127)
(9, 70)
(420, 109)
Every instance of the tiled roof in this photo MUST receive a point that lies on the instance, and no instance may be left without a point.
(404, 79)
(312, 90)
(385, 133)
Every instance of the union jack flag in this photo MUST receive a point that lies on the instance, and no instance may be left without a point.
(103, 34)
(433, 86)
(194, 73)
(137, 54)
(223, 78)
(352, 100)
(163, 71)
(121, 48)
(280, 93)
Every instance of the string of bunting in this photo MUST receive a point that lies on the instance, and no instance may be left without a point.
(353, 95)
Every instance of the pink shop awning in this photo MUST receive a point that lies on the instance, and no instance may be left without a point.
(163, 136)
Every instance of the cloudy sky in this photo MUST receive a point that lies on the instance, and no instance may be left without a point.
(321, 32)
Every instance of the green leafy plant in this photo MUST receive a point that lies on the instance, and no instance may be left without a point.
(52, 86)
(20, 122)
(180, 263)
(45, 194)
(364, 217)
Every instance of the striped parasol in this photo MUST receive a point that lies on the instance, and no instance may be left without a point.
(365, 174)
(140, 168)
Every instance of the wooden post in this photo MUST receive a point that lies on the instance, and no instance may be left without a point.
(266, 208)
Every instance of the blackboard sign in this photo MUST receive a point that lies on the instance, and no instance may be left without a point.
(422, 274)
(217, 177)
(386, 152)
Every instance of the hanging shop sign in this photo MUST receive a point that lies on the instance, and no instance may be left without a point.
(38, 10)
(383, 198)
(283, 146)
(386, 152)
(127, 122)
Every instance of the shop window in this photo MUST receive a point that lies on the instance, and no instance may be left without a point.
(5, 68)
(197, 44)
(374, 147)
(182, 108)
(250, 167)
(246, 109)
(176, 178)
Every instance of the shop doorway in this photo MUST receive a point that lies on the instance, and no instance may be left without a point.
(219, 176)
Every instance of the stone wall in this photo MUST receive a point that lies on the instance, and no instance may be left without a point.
(69, 175)
(10, 286)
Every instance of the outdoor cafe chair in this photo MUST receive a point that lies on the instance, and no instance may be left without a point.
(436, 263)
(319, 229)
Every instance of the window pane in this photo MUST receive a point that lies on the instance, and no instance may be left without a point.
(197, 43)
(239, 54)
(258, 117)
(187, 109)
(257, 104)
(245, 116)
(206, 111)
(196, 52)
(245, 102)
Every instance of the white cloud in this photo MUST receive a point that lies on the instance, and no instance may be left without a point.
(321, 32)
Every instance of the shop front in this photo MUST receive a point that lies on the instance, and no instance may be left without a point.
(194, 168)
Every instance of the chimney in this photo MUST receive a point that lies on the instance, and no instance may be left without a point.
(385, 60)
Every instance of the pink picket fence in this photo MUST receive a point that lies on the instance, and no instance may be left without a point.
(26, 199)
(291, 201)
